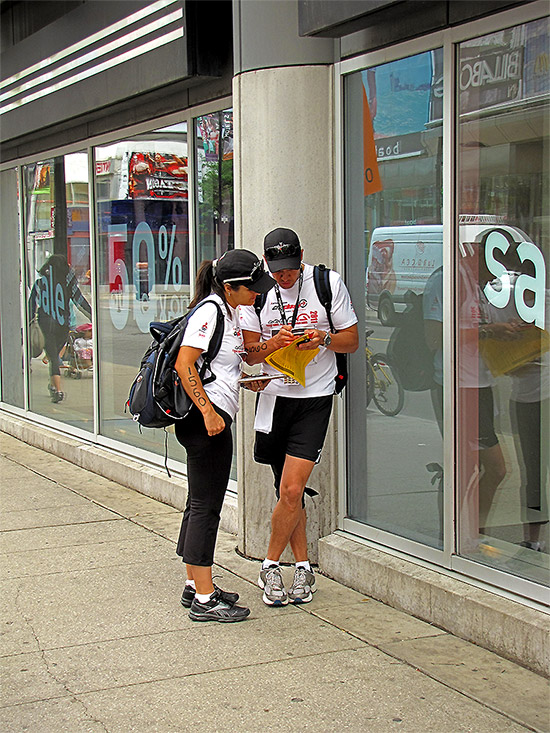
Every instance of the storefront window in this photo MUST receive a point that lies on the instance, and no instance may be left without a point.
(394, 256)
(214, 161)
(59, 278)
(503, 304)
(214, 197)
(143, 263)
(11, 334)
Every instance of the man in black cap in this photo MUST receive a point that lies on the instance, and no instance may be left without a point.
(291, 419)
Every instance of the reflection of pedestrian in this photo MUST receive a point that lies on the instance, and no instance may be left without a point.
(529, 403)
(232, 280)
(483, 466)
(51, 297)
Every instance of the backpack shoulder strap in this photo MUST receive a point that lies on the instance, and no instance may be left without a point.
(259, 303)
(321, 280)
(217, 336)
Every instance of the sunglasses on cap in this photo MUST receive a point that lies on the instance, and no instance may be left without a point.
(282, 250)
(255, 274)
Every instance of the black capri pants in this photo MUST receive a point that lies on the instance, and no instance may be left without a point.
(208, 469)
(55, 338)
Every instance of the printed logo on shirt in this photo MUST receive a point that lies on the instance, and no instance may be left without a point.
(239, 349)
(204, 327)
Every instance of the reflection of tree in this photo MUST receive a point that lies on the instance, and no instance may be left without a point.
(217, 200)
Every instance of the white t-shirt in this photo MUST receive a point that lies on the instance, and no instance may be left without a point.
(473, 310)
(224, 390)
(321, 370)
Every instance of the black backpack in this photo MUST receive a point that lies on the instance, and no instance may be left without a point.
(321, 280)
(407, 347)
(157, 398)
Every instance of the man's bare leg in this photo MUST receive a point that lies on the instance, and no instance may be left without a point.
(298, 539)
(289, 515)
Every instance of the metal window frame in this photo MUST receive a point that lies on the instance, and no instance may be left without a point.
(94, 437)
(445, 560)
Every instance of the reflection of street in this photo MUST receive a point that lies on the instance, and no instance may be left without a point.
(416, 404)
(401, 494)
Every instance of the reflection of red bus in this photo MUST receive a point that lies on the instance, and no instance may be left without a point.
(157, 176)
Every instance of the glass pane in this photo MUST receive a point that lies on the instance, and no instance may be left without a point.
(503, 300)
(58, 262)
(214, 160)
(143, 263)
(11, 341)
(394, 256)
(214, 197)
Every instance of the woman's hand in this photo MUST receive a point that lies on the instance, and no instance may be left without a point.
(213, 422)
(257, 385)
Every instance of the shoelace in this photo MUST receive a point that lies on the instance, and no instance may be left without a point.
(300, 580)
(274, 578)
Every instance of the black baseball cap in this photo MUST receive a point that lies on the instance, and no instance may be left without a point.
(282, 250)
(243, 267)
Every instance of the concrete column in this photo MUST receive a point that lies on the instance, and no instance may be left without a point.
(284, 176)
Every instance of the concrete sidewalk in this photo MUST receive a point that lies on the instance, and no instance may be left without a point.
(94, 637)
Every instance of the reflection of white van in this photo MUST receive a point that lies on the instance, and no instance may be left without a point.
(401, 259)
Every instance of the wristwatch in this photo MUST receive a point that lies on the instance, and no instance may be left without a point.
(328, 339)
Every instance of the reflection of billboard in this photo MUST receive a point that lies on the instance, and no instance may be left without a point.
(157, 176)
(41, 178)
(504, 67)
(403, 97)
(208, 129)
(381, 276)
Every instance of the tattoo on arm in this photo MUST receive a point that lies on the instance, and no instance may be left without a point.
(256, 349)
(196, 392)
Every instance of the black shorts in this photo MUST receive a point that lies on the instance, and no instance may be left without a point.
(299, 430)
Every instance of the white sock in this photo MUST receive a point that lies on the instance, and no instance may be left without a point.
(304, 564)
(266, 563)
(203, 598)
(190, 582)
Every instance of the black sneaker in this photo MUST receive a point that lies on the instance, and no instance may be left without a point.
(189, 594)
(216, 609)
(57, 397)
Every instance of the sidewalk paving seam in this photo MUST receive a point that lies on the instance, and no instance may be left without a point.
(156, 680)
(311, 611)
(65, 524)
(434, 677)
(109, 640)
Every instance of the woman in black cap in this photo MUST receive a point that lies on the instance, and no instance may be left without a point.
(233, 280)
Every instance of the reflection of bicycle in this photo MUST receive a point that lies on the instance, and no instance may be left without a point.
(383, 385)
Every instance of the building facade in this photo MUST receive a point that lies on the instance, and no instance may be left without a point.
(408, 145)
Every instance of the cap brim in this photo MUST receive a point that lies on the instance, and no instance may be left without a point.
(263, 285)
(285, 263)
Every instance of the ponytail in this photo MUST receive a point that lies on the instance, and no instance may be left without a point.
(206, 283)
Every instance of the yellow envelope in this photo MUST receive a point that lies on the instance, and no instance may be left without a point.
(292, 361)
(503, 357)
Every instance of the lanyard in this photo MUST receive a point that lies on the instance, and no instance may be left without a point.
(280, 304)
